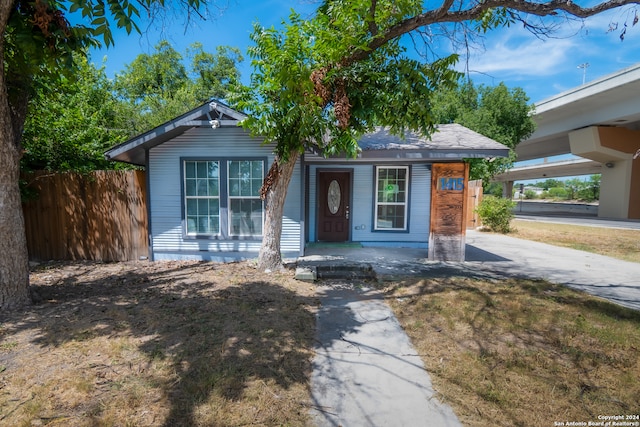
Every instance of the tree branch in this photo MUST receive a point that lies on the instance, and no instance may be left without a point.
(373, 27)
(444, 14)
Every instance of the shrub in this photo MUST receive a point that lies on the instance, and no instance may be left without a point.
(496, 213)
(530, 194)
(558, 193)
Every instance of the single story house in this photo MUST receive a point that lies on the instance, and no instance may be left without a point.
(204, 173)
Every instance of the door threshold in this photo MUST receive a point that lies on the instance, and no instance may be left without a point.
(312, 245)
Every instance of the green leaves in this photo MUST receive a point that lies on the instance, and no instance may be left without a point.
(498, 112)
(280, 98)
(493, 18)
(159, 86)
(100, 14)
(71, 124)
(74, 120)
(496, 213)
(304, 95)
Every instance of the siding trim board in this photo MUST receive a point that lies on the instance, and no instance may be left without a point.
(304, 206)
(149, 216)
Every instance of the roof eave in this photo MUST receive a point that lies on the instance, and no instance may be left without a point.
(432, 155)
(133, 150)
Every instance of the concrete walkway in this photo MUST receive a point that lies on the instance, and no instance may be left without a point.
(366, 373)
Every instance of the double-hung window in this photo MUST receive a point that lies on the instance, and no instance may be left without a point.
(222, 198)
(392, 184)
(245, 206)
(202, 197)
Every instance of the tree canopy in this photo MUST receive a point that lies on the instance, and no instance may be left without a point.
(162, 85)
(72, 123)
(500, 113)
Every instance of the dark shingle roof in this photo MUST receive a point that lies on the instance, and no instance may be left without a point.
(447, 137)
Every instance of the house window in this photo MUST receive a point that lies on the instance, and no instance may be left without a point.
(392, 184)
(246, 212)
(202, 197)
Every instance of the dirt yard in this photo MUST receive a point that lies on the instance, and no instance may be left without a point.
(164, 343)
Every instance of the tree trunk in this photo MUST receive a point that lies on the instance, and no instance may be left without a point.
(270, 257)
(14, 258)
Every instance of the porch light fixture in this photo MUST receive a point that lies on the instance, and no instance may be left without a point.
(215, 123)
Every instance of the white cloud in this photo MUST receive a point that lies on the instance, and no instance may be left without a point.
(522, 56)
(516, 53)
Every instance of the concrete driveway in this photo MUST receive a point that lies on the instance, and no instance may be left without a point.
(495, 255)
(615, 280)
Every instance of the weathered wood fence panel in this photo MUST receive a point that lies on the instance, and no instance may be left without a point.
(474, 197)
(97, 216)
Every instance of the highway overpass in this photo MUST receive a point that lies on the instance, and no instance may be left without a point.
(600, 122)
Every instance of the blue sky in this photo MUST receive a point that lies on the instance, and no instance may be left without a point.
(542, 67)
(512, 55)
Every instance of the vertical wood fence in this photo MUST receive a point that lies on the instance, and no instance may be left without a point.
(474, 197)
(96, 216)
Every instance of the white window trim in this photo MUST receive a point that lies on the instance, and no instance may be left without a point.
(186, 198)
(405, 203)
(230, 197)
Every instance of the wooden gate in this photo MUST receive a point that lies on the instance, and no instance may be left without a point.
(474, 197)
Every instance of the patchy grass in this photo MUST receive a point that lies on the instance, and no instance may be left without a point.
(521, 352)
(158, 344)
(616, 243)
(204, 344)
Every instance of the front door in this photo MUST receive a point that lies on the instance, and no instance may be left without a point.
(333, 206)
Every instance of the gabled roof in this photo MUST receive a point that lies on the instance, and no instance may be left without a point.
(133, 150)
(449, 142)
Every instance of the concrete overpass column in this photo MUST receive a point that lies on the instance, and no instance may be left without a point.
(507, 189)
(620, 184)
(615, 189)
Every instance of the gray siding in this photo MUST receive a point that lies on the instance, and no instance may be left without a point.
(164, 174)
(362, 206)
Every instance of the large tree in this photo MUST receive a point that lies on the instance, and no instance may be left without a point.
(319, 84)
(37, 40)
(159, 86)
(72, 123)
(498, 112)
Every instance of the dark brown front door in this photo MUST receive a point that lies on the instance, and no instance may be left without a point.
(333, 206)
